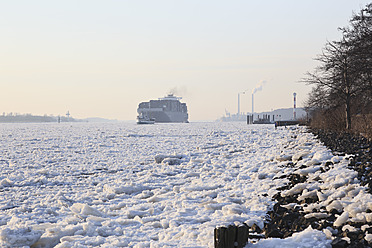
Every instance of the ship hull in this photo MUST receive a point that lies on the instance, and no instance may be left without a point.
(145, 122)
(166, 117)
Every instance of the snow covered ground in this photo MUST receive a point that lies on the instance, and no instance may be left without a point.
(168, 185)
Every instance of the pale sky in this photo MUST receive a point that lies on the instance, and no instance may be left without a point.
(102, 58)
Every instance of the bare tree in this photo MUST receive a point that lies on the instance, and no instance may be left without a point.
(344, 75)
(334, 75)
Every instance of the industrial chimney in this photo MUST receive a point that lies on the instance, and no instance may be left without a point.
(294, 106)
(252, 104)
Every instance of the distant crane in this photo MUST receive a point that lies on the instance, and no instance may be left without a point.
(68, 115)
(227, 113)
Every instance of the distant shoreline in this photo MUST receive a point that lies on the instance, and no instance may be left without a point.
(33, 119)
(28, 118)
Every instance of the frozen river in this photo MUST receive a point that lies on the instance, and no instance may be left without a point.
(127, 185)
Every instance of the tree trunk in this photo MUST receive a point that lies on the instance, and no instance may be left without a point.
(348, 113)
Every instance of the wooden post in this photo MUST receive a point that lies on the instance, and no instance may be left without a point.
(231, 236)
(242, 236)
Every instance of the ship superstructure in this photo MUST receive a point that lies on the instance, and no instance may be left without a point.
(163, 110)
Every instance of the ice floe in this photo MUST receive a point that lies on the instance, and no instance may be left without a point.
(123, 185)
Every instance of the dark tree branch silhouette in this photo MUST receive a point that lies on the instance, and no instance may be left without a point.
(344, 75)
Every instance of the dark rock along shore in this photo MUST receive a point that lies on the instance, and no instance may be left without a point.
(283, 222)
(346, 143)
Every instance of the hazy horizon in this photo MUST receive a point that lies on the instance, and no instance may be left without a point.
(101, 59)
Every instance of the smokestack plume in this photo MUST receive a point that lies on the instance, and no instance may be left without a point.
(256, 89)
(259, 86)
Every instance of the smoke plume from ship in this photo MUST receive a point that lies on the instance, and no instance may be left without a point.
(178, 91)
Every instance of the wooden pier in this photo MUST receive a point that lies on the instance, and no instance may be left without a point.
(286, 123)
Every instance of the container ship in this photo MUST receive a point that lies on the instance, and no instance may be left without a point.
(164, 110)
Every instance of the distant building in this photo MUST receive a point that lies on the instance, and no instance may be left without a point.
(283, 114)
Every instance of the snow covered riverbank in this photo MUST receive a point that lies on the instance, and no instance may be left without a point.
(83, 184)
